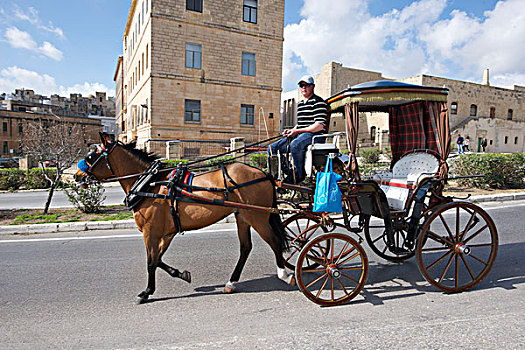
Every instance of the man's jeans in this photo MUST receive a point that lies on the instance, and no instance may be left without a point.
(298, 150)
(460, 148)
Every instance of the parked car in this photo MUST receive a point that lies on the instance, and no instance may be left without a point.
(50, 163)
(8, 163)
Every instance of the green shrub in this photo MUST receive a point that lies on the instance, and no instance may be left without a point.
(35, 179)
(88, 200)
(170, 163)
(218, 160)
(11, 179)
(500, 170)
(370, 155)
(259, 160)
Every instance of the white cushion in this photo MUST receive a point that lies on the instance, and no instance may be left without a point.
(415, 166)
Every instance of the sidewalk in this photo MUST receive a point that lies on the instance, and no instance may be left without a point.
(130, 224)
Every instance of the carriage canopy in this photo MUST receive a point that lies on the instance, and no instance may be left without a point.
(418, 117)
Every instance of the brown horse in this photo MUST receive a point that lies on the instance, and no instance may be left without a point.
(154, 220)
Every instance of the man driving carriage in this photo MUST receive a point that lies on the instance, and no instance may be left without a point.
(312, 113)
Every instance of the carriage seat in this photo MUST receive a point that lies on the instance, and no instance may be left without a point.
(316, 153)
(406, 174)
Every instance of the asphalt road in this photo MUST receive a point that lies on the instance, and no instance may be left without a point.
(77, 290)
(37, 199)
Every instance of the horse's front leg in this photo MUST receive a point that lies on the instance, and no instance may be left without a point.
(150, 289)
(173, 272)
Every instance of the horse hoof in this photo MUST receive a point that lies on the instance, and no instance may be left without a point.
(229, 288)
(140, 300)
(186, 276)
(293, 282)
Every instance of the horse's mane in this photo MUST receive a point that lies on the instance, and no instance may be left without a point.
(147, 157)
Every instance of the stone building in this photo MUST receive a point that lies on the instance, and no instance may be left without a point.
(15, 122)
(476, 110)
(199, 70)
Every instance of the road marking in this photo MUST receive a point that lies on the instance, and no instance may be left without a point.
(136, 235)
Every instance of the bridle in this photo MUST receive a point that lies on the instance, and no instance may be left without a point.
(102, 153)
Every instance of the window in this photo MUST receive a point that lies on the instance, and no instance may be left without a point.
(4, 126)
(516, 140)
(492, 112)
(473, 110)
(506, 139)
(193, 56)
(194, 5)
(20, 128)
(192, 110)
(247, 114)
(5, 147)
(250, 11)
(454, 108)
(248, 64)
(146, 56)
(509, 114)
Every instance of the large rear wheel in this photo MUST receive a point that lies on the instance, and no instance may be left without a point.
(341, 271)
(457, 246)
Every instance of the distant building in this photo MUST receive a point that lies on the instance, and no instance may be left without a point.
(199, 70)
(15, 123)
(476, 110)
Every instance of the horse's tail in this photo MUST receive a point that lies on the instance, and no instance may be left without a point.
(277, 225)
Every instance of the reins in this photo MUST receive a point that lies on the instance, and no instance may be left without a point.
(187, 165)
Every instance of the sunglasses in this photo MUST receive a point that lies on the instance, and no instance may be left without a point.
(304, 85)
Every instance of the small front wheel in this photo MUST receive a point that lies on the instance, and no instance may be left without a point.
(341, 272)
(457, 246)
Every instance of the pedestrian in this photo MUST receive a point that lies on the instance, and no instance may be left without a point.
(465, 144)
(312, 114)
(459, 142)
(484, 144)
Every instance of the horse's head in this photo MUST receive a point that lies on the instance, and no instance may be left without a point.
(95, 166)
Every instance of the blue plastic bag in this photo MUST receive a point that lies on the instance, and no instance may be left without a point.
(327, 197)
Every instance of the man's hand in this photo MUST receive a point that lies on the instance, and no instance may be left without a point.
(290, 132)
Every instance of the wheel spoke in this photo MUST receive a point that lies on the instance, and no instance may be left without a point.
(480, 245)
(456, 271)
(349, 258)
(437, 238)
(317, 269)
(446, 227)
(434, 249)
(467, 226)
(316, 280)
(478, 259)
(457, 224)
(342, 250)
(446, 269)
(468, 267)
(476, 233)
(351, 268)
(350, 278)
(332, 290)
(322, 287)
(343, 287)
(438, 260)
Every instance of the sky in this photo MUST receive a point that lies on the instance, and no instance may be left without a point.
(72, 46)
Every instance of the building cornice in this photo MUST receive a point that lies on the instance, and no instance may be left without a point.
(130, 16)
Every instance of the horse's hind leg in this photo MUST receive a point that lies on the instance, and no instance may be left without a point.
(245, 240)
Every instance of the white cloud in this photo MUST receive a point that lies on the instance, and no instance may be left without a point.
(20, 39)
(23, 40)
(419, 38)
(50, 51)
(31, 15)
(15, 78)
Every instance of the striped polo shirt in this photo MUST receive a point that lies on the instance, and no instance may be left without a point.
(310, 111)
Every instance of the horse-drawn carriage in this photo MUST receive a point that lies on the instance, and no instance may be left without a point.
(401, 213)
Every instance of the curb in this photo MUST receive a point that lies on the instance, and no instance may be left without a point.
(130, 223)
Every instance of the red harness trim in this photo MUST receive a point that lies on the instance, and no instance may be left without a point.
(395, 183)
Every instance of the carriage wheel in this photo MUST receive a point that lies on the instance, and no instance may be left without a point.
(457, 246)
(298, 233)
(375, 235)
(341, 272)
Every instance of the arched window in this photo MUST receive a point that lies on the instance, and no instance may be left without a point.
(473, 110)
(373, 133)
(492, 112)
(454, 108)
(509, 114)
